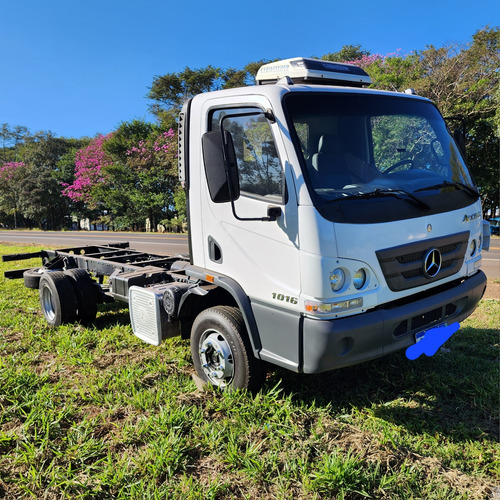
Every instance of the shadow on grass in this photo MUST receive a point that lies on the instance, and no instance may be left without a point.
(114, 313)
(454, 392)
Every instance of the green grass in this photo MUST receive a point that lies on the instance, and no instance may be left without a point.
(95, 413)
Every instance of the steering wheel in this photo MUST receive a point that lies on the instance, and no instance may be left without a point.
(398, 164)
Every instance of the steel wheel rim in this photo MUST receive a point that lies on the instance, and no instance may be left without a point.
(216, 356)
(48, 304)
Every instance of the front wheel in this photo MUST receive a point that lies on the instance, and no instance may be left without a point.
(221, 351)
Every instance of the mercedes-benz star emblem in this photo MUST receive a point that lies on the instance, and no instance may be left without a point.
(432, 263)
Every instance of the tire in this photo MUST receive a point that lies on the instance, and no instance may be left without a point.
(57, 298)
(221, 350)
(86, 308)
(32, 277)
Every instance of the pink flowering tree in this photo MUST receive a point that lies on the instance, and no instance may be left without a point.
(153, 163)
(366, 60)
(90, 164)
(139, 180)
(12, 177)
(155, 151)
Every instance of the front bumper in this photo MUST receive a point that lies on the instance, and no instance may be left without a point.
(331, 344)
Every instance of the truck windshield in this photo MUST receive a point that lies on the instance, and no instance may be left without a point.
(363, 146)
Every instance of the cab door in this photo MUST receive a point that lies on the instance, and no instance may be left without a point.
(262, 256)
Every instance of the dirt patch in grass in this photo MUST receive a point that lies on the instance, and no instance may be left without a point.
(492, 291)
(9, 490)
(370, 447)
(11, 336)
(209, 470)
(119, 358)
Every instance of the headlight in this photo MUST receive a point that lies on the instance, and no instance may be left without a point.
(359, 279)
(472, 248)
(337, 279)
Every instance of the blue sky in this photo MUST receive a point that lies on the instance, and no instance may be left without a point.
(79, 68)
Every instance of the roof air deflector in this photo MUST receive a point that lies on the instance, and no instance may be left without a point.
(312, 71)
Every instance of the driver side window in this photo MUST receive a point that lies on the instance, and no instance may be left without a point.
(259, 166)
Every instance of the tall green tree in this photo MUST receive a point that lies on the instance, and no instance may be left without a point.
(11, 137)
(465, 81)
(169, 92)
(395, 72)
(42, 201)
(346, 53)
(233, 78)
(12, 175)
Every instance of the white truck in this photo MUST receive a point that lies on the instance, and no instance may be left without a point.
(329, 224)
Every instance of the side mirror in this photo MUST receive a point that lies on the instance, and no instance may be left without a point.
(221, 168)
(486, 235)
(458, 131)
(459, 137)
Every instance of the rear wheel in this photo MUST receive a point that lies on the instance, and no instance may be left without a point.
(221, 351)
(57, 298)
(83, 285)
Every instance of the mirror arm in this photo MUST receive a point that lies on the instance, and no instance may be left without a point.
(270, 216)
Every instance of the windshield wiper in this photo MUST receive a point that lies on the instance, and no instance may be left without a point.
(378, 193)
(456, 185)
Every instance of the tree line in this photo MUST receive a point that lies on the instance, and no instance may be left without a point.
(129, 176)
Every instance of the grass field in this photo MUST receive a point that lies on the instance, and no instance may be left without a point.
(95, 413)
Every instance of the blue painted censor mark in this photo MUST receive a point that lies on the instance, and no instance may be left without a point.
(432, 341)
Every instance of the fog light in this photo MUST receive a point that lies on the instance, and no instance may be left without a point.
(337, 279)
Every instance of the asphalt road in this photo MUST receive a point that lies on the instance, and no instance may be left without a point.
(157, 243)
(168, 244)
(491, 260)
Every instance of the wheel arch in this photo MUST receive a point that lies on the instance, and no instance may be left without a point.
(224, 291)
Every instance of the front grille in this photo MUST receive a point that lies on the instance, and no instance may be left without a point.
(409, 257)
(412, 273)
(403, 266)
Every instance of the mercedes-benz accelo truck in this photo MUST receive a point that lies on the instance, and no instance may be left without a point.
(329, 224)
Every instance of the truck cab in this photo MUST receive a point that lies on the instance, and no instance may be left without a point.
(346, 215)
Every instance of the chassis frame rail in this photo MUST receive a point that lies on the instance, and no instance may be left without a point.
(101, 260)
